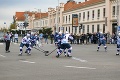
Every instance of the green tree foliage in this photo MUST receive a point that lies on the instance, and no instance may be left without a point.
(46, 30)
(13, 26)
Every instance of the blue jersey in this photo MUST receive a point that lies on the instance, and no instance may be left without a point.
(118, 40)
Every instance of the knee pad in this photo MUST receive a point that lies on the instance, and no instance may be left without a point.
(21, 48)
(69, 50)
(60, 51)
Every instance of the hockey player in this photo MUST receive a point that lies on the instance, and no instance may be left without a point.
(26, 41)
(102, 40)
(118, 44)
(63, 46)
(59, 37)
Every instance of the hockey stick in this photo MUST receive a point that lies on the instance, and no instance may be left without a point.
(41, 50)
(50, 52)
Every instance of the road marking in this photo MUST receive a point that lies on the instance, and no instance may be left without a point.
(78, 59)
(79, 67)
(2, 55)
(27, 61)
(1, 43)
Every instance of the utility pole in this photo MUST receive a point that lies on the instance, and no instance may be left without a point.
(26, 21)
(57, 14)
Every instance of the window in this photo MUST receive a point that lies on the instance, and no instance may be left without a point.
(63, 19)
(66, 28)
(54, 20)
(59, 29)
(83, 15)
(87, 28)
(113, 10)
(79, 16)
(72, 29)
(69, 29)
(98, 28)
(117, 10)
(66, 19)
(98, 13)
(92, 28)
(43, 23)
(79, 29)
(88, 15)
(59, 20)
(83, 29)
(69, 18)
(103, 28)
(103, 12)
(93, 14)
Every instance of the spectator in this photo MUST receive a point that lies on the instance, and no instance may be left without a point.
(16, 37)
(46, 38)
(52, 38)
(7, 41)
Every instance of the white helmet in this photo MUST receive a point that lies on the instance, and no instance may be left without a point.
(66, 32)
(118, 34)
(101, 33)
(28, 35)
(60, 32)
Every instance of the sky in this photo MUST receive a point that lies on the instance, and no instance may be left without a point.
(9, 7)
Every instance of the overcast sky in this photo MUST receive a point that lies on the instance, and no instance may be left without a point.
(9, 7)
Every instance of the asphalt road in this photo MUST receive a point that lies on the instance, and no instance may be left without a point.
(86, 64)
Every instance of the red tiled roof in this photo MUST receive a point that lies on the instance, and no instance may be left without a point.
(20, 15)
(73, 5)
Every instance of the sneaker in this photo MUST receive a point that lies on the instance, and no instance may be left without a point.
(19, 54)
(117, 53)
(98, 50)
(57, 56)
(25, 51)
(8, 50)
(69, 55)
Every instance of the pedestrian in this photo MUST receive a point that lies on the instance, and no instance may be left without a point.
(46, 38)
(16, 37)
(7, 42)
(52, 38)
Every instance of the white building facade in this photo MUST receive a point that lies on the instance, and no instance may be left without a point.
(99, 16)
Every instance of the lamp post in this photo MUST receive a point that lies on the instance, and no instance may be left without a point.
(57, 14)
(118, 7)
(39, 11)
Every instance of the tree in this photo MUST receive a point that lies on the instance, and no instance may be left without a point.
(46, 30)
(12, 26)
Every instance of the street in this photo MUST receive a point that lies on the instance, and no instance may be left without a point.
(86, 64)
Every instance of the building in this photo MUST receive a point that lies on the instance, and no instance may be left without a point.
(89, 16)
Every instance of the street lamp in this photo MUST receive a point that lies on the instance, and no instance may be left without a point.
(118, 23)
(57, 12)
(39, 11)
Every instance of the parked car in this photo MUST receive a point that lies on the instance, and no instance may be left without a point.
(1, 37)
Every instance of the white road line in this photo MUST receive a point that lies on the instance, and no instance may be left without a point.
(27, 61)
(2, 55)
(79, 67)
(78, 59)
(1, 43)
